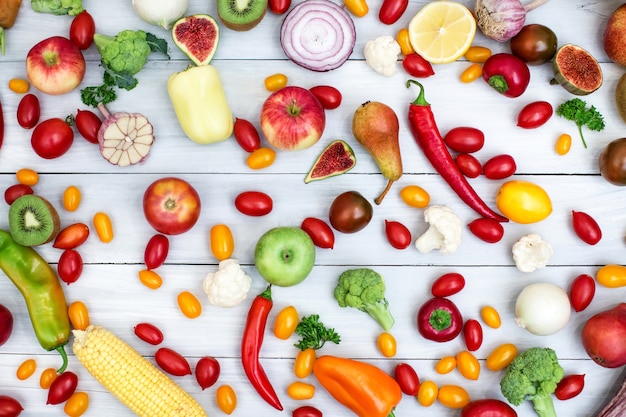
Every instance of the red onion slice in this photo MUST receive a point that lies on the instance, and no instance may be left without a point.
(318, 35)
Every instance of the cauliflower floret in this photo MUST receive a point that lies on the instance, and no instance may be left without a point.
(444, 233)
(228, 286)
(381, 54)
(531, 252)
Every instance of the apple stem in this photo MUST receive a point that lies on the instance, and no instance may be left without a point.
(382, 195)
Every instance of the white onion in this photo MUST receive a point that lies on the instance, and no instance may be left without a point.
(161, 13)
(542, 308)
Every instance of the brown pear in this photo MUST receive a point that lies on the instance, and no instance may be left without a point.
(375, 126)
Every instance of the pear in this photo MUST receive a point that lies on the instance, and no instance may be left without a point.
(375, 126)
(615, 36)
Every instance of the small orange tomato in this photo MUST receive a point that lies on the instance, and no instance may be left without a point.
(286, 322)
(275, 82)
(387, 344)
(471, 73)
(47, 377)
(27, 176)
(226, 398)
(104, 226)
(468, 365)
(477, 54)
(403, 39)
(491, 317)
(427, 393)
(189, 305)
(453, 396)
(71, 236)
(303, 365)
(261, 158)
(150, 279)
(300, 391)
(563, 144)
(26, 369)
(79, 315)
(501, 357)
(77, 404)
(358, 8)
(415, 196)
(612, 276)
(445, 365)
(71, 198)
(19, 85)
(222, 242)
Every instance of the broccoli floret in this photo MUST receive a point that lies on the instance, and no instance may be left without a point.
(364, 289)
(58, 7)
(533, 376)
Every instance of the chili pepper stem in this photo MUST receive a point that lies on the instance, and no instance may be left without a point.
(382, 195)
(267, 293)
(61, 350)
(421, 98)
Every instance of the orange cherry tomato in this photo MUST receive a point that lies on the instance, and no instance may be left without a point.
(261, 158)
(47, 377)
(72, 236)
(358, 8)
(477, 54)
(71, 198)
(403, 39)
(445, 365)
(27, 176)
(491, 317)
(427, 393)
(415, 196)
(222, 242)
(387, 344)
(563, 144)
(79, 315)
(26, 369)
(226, 399)
(150, 279)
(300, 390)
(104, 226)
(77, 404)
(612, 276)
(471, 73)
(303, 365)
(275, 82)
(501, 357)
(468, 365)
(286, 322)
(19, 85)
(189, 305)
(453, 396)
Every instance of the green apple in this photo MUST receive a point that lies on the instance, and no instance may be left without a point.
(284, 256)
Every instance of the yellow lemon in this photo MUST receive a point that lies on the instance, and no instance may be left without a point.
(523, 201)
(442, 31)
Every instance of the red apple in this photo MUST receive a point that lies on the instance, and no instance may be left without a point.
(604, 337)
(171, 205)
(55, 65)
(292, 119)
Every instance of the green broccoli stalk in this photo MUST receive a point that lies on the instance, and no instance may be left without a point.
(58, 7)
(533, 375)
(364, 289)
(576, 110)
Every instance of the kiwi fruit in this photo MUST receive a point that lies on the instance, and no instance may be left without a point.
(33, 220)
(241, 15)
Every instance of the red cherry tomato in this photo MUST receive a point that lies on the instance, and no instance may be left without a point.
(473, 334)
(469, 165)
(328, 96)
(306, 411)
(407, 378)
(71, 236)
(392, 10)
(149, 333)
(88, 124)
(279, 6)
(488, 408)
(28, 111)
(246, 135)
(52, 138)
(398, 235)
(570, 386)
(254, 203)
(82, 30)
(172, 362)
(320, 232)
(534, 114)
(62, 388)
(414, 64)
(448, 284)
(489, 230)
(586, 228)
(156, 251)
(207, 372)
(465, 139)
(10, 407)
(70, 266)
(581, 292)
(499, 167)
(16, 191)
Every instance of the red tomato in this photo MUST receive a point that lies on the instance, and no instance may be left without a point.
(16, 191)
(488, 408)
(407, 378)
(88, 124)
(156, 251)
(28, 111)
(319, 231)
(570, 386)
(62, 388)
(171, 205)
(82, 30)
(465, 139)
(534, 114)
(10, 407)
(6, 325)
(489, 230)
(586, 228)
(52, 138)
(473, 334)
(279, 6)
(172, 362)
(149, 333)
(328, 96)
(507, 74)
(306, 411)
(398, 235)
(469, 165)
(207, 372)
(448, 284)
(392, 10)
(246, 135)
(70, 266)
(414, 64)
(499, 167)
(581, 292)
(254, 203)
(71, 236)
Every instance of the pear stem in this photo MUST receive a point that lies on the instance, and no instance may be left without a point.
(382, 195)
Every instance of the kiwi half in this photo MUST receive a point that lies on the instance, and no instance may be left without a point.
(241, 15)
(33, 220)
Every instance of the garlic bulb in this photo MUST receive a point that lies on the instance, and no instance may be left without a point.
(161, 13)
(500, 20)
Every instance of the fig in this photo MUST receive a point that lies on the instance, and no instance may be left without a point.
(614, 37)
(197, 36)
(337, 158)
(576, 70)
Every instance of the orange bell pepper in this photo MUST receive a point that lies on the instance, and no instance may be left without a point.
(363, 388)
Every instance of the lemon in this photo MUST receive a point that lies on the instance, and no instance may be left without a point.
(442, 31)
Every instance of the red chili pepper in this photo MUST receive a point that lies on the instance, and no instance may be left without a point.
(427, 136)
(251, 346)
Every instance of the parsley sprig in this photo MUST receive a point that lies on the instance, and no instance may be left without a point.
(577, 111)
(314, 334)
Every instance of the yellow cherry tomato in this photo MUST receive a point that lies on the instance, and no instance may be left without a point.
(189, 305)
(261, 158)
(47, 377)
(305, 359)
(19, 85)
(491, 317)
(300, 391)
(150, 279)
(358, 8)
(501, 357)
(415, 196)
(286, 322)
(275, 82)
(563, 144)
(445, 365)
(387, 344)
(523, 201)
(26, 369)
(471, 73)
(612, 276)
(468, 365)
(477, 54)
(79, 315)
(427, 393)
(27, 176)
(71, 198)
(77, 404)
(453, 396)
(403, 39)
(104, 226)
(222, 242)
(226, 398)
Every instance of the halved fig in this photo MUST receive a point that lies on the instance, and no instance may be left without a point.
(197, 36)
(576, 70)
(337, 158)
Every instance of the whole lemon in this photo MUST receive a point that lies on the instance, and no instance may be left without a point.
(523, 201)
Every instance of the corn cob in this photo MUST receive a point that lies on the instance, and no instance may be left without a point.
(134, 380)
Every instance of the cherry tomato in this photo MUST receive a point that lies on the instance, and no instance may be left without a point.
(303, 365)
(427, 393)
(104, 227)
(447, 284)
(586, 228)
(6, 324)
(77, 404)
(563, 144)
(392, 10)
(453, 396)
(82, 30)
(306, 411)
(471, 73)
(415, 196)
(477, 54)
(319, 231)
(47, 377)
(254, 203)
(468, 165)
(300, 390)
(261, 158)
(222, 242)
(246, 135)
(189, 305)
(275, 82)
(387, 344)
(286, 322)
(70, 266)
(465, 139)
(52, 138)
(62, 388)
(27, 176)
(501, 357)
(156, 251)
(79, 315)
(72, 236)
(507, 74)
(488, 407)
(328, 96)
(9, 406)
(569, 386)
(398, 235)
(445, 365)
(473, 335)
(490, 317)
(499, 167)
(28, 111)
(612, 276)
(403, 39)
(523, 201)
(71, 198)
(207, 371)
(88, 124)
(534, 44)
(488, 230)
(26, 369)
(279, 6)
(468, 365)
(581, 292)
(19, 85)
(415, 65)
(16, 191)
(226, 399)
(534, 114)
(358, 8)
(407, 378)
(149, 333)
(172, 362)
(150, 279)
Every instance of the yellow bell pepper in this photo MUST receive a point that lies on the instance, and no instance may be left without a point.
(200, 104)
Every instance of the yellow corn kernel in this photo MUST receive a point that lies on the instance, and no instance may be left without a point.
(136, 382)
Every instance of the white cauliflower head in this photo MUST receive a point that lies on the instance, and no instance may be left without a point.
(444, 233)
(531, 252)
(381, 54)
(228, 286)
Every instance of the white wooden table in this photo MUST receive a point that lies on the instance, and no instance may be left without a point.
(117, 300)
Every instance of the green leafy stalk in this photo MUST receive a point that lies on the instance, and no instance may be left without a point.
(314, 334)
(576, 110)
